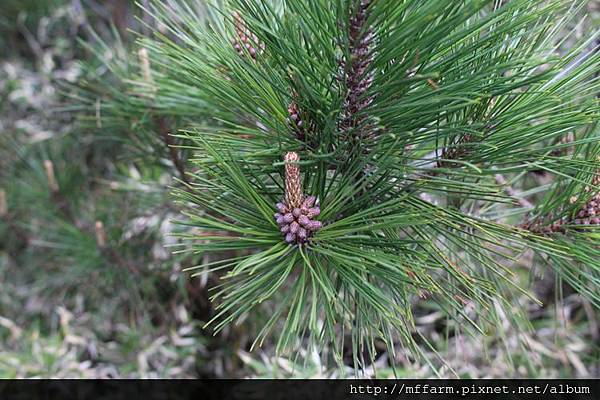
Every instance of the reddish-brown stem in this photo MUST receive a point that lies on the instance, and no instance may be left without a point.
(165, 134)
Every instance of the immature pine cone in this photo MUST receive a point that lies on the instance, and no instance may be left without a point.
(296, 213)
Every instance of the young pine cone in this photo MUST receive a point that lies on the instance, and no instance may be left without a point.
(296, 213)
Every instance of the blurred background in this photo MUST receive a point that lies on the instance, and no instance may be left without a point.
(90, 285)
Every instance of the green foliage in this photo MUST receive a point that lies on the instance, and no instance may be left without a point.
(463, 92)
(87, 288)
(21, 16)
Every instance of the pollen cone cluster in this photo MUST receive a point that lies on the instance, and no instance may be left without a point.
(246, 41)
(295, 121)
(296, 213)
(588, 214)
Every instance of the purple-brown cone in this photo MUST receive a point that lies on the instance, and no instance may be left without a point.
(295, 120)
(246, 41)
(297, 224)
(588, 214)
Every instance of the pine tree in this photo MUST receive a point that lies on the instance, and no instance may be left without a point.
(349, 157)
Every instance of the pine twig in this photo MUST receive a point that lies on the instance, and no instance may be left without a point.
(456, 152)
(109, 251)
(461, 147)
(164, 131)
(293, 184)
(501, 180)
(15, 229)
(144, 58)
(247, 41)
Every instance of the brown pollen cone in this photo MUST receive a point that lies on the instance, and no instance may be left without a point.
(588, 214)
